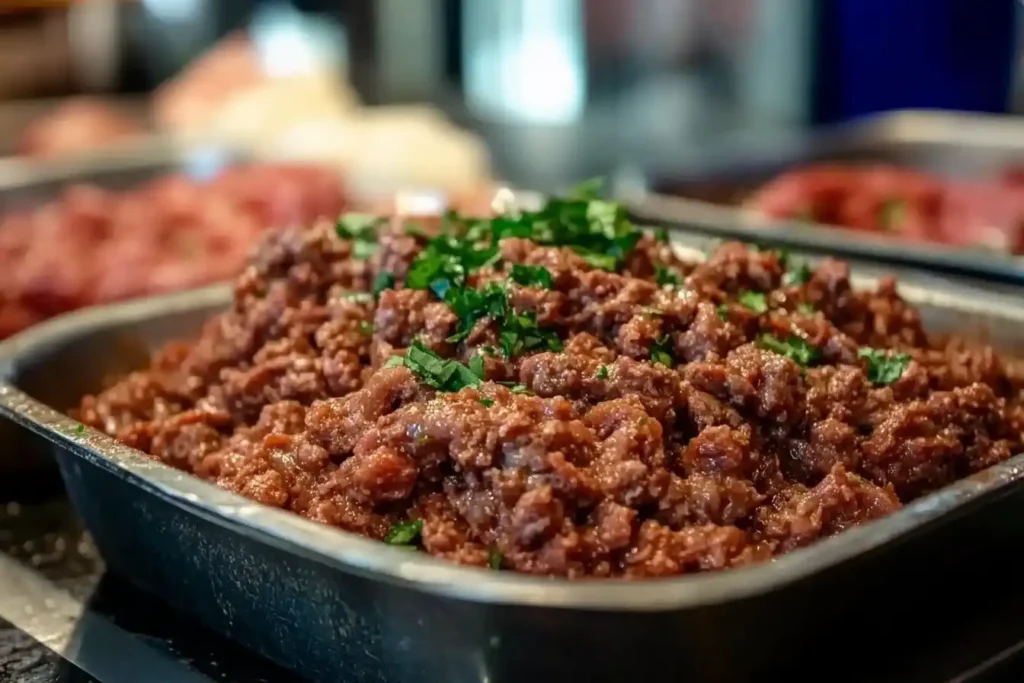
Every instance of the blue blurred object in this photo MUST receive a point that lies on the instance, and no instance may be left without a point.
(879, 55)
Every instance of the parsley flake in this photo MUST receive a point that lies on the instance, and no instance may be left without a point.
(795, 348)
(884, 367)
(799, 274)
(666, 276)
(440, 373)
(487, 402)
(366, 327)
(723, 312)
(804, 308)
(381, 282)
(404, 533)
(494, 559)
(602, 372)
(661, 352)
(79, 429)
(361, 228)
(521, 333)
(755, 301)
(661, 235)
(532, 276)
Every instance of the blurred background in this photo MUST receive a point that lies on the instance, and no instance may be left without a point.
(556, 88)
(169, 133)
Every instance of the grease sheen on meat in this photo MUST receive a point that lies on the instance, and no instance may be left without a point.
(600, 462)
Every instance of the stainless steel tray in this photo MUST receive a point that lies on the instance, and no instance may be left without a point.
(948, 144)
(335, 606)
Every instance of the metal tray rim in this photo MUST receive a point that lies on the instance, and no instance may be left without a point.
(358, 555)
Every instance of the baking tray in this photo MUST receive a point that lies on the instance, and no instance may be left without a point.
(335, 606)
(711, 183)
(24, 184)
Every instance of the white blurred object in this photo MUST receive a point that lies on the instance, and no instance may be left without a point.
(385, 149)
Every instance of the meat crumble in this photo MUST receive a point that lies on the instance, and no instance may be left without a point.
(556, 393)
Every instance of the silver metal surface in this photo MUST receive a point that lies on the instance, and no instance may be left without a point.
(67, 356)
(63, 624)
(956, 145)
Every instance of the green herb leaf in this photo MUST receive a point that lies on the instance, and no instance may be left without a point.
(366, 327)
(602, 372)
(661, 352)
(799, 274)
(599, 261)
(476, 365)
(404, 533)
(755, 301)
(661, 235)
(447, 258)
(440, 373)
(79, 429)
(795, 348)
(472, 305)
(588, 190)
(532, 276)
(884, 367)
(494, 559)
(515, 388)
(723, 312)
(520, 333)
(381, 282)
(666, 276)
(362, 230)
(487, 402)
(783, 256)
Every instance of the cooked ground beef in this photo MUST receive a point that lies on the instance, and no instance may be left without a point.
(662, 419)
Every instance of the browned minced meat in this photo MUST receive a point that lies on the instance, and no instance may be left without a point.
(608, 465)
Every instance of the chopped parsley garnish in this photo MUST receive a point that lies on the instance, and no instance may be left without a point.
(381, 282)
(587, 190)
(661, 235)
(79, 429)
(515, 388)
(755, 301)
(358, 297)
(798, 274)
(804, 308)
(783, 256)
(599, 261)
(361, 228)
(521, 333)
(447, 259)
(366, 327)
(532, 276)
(723, 312)
(795, 348)
(666, 276)
(602, 372)
(440, 373)
(661, 352)
(487, 402)
(476, 365)
(494, 559)
(884, 367)
(892, 214)
(404, 533)
(472, 305)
